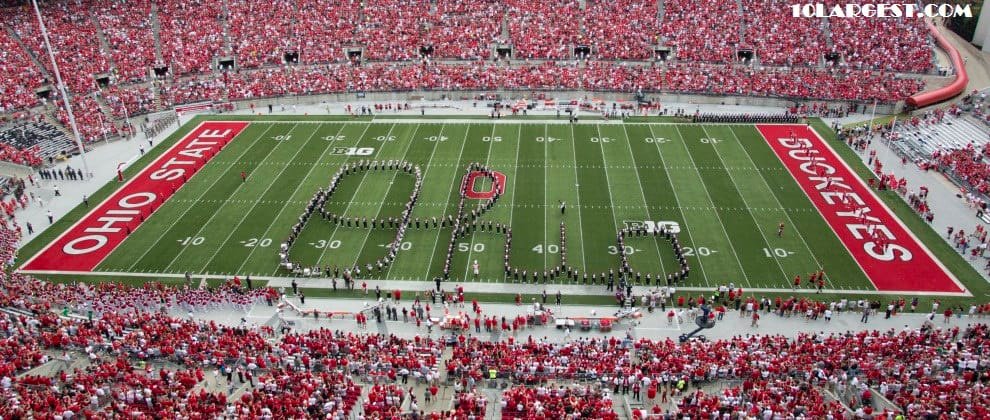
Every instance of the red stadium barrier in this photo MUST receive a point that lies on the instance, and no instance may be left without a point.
(924, 99)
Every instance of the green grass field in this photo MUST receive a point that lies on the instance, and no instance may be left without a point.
(722, 184)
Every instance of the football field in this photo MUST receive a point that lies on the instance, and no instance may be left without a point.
(722, 185)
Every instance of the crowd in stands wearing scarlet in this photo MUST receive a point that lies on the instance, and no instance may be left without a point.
(119, 40)
(124, 334)
(127, 28)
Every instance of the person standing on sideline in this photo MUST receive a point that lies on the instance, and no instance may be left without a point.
(85, 200)
(30, 228)
(756, 320)
(51, 217)
(866, 315)
(57, 193)
(559, 298)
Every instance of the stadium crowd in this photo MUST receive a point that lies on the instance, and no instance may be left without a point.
(155, 55)
(141, 360)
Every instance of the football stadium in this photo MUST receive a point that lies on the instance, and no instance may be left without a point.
(494, 209)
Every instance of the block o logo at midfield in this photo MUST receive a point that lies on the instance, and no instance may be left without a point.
(473, 193)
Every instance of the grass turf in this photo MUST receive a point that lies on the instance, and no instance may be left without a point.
(721, 183)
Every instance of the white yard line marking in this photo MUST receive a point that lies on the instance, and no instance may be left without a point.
(751, 217)
(673, 190)
(284, 205)
(512, 205)
(577, 190)
(719, 217)
(642, 194)
(215, 181)
(786, 214)
(239, 189)
(468, 287)
(450, 192)
(391, 183)
(364, 176)
(608, 185)
(467, 264)
(546, 197)
(426, 172)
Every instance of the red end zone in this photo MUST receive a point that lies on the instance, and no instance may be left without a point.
(890, 255)
(90, 240)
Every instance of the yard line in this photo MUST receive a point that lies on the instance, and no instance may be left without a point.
(577, 190)
(391, 185)
(364, 175)
(515, 176)
(679, 208)
(215, 181)
(270, 185)
(753, 218)
(788, 215)
(619, 252)
(474, 233)
(285, 204)
(426, 172)
(642, 194)
(453, 179)
(546, 192)
(717, 216)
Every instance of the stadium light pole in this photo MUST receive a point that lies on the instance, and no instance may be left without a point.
(61, 87)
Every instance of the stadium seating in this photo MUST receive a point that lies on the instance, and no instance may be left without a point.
(542, 403)
(192, 34)
(125, 40)
(780, 39)
(952, 141)
(260, 31)
(29, 142)
(323, 28)
(702, 31)
(73, 33)
(543, 30)
(280, 376)
(900, 45)
(127, 28)
(20, 76)
(90, 121)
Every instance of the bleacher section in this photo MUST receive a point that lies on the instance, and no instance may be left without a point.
(953, 133)
(46, 139)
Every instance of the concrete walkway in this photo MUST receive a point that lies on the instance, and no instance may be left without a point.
(651, 325)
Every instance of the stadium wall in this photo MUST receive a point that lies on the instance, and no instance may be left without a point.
(463, 95)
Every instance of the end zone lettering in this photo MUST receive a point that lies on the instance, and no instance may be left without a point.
(892, 258)
(89, 241)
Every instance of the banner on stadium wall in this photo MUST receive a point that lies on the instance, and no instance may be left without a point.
(194, 108)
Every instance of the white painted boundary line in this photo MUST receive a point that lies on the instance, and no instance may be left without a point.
(467, 285)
